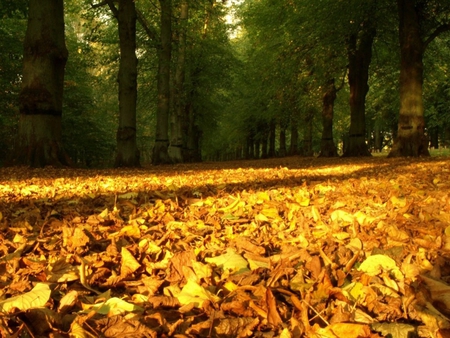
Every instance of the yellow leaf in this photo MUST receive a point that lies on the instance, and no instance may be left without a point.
(230, 286)
(131, 230)
(376, 264)
(104, 213)
(129, 263)
(195, 294)
(355, 291)
(398, 202)
(35, 298)
(231, 206)
(270, 212)
(261, 218)
(341, 235)
(261, 197)
(341, 216)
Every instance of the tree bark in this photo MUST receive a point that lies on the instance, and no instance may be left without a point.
(160, 149)
(327, 146)
(359, 57)
(41, 95)
(178, 118)
(127, 151)
(411, 139)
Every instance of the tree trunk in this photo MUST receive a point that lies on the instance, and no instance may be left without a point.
(293, 149)
(411, 139)
(307, 133)
(264, 138)
(378, 141)
(359, 57)
(160, 149)
(282, 151)
(272, 137)
(44, 59)
(178, 118)
(434, 137)
(127, 151)
(327, 146)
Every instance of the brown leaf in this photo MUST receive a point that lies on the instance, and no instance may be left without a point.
(273, 317)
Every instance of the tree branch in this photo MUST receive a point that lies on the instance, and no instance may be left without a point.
(150, 31)
(438, 31)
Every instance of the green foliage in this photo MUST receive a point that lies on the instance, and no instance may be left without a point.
(89, 120)
(12, 29)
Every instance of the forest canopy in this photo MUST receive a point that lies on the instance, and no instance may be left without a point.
(129, 83)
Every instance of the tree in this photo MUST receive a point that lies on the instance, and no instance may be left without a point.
(327, 146)
(160, 149)
(359, 58)
(127, 153)
(417, 28)
(41, 94)
(178, 118)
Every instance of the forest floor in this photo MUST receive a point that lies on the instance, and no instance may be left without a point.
(292, 247)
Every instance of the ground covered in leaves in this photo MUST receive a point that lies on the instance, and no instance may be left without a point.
(272, 248)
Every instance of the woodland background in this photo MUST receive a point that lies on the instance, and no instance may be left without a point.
(256, 76)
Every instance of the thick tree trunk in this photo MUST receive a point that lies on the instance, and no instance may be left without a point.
(411, 139)
(327, 146)
(127, 151)
(41, 95)
(359, 57)
(160, 149)
(178, 118)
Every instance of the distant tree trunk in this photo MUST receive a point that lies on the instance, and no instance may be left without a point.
(264, 130)
(411, 139)
(307, 133)
(127, 151)
(251, 145)
(327, 146)
(282, 151)
(378, 142)
(194, 134)
(178, 118)
(160, 149)
(293, 149)
(41, 96)
(359, 57)
(272, 138)
(434, 137)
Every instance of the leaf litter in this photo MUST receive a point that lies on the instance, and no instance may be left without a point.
(271, 248)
